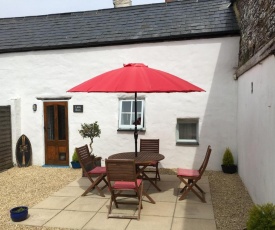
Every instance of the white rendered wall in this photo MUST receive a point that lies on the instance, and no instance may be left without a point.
(256, 131)
(207, 63)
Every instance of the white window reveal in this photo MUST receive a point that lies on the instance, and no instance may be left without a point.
(127, 114)
(188, 131)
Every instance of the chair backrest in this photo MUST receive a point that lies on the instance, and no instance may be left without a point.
(205, 161)
(120, 170)
(149, 145)
(86, 161)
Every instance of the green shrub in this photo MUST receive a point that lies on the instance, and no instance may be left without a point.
(261, 217)
(75, 157)
(228, 157)
(21, 209)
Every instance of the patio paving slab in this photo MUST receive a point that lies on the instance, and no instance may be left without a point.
(55, 202)
(151, 223)
(158, 209)
(164, 195)
(205, 186)
(70, 191)
(166, 185)
(83, 182)
(38, 217)
(122, 208)
(70, 219)
(165, 177)
(84, 203)
(193, 210)
(193, 224)
(68, 209)
(192, 198)
(100, 222)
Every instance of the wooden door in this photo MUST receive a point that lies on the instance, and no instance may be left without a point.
(56, 133)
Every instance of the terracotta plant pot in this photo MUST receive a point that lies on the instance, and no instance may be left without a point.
(19, 213)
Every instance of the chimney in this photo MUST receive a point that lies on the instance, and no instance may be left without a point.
(122, 3)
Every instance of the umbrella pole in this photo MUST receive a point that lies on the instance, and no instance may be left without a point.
(136, 132)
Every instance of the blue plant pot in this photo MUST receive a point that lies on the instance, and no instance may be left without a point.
(19, 215)
(75, 165)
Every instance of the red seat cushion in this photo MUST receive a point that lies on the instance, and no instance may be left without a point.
(98, 170)
(188, 172)
(126, 184)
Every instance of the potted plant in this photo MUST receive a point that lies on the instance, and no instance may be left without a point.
(91, 131)
(75, 163)
(228, 165)
(19, 213)
(261, 217)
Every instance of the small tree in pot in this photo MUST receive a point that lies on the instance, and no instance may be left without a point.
(19, 213)
(90, 131)
(75, 163)
(228, 165)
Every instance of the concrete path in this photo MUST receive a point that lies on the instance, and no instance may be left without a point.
(68, 209)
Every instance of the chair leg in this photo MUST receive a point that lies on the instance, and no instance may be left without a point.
(199, 188)
(157, 173)
(110, 206)
(94, 185)
(149, 197)
(148, 178)
(201, 196)
(115, 194)
(189, 186)
(114, 198)
(190, 181)
(140, 199)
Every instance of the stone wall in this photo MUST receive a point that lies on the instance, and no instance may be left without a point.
(256, 20)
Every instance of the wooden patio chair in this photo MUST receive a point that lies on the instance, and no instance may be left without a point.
(151, 146)
(90, 170)
(190, 177)
(122, 177)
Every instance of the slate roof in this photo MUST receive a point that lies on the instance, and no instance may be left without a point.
(144, 23)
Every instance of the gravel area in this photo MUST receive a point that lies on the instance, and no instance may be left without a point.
(29, 186)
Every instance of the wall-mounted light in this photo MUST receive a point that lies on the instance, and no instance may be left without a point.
(34, 107)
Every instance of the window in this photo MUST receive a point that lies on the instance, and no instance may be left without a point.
(187, 131)
(127, 114)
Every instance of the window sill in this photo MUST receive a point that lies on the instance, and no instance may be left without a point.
(131, 130)
(194, 143)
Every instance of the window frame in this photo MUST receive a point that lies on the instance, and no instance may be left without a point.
(132, 126)
(194, 141)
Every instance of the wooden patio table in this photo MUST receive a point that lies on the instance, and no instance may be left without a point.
(143, 160)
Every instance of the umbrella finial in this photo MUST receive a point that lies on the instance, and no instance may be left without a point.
(135, 65)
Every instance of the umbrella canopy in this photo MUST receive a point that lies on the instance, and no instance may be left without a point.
(134, 78)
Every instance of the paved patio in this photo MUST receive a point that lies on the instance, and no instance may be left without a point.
(68, 209)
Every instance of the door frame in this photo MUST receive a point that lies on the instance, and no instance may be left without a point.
(56, 142)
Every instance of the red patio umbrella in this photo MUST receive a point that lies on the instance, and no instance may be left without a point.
(134, 78)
